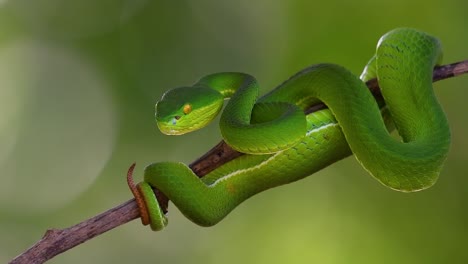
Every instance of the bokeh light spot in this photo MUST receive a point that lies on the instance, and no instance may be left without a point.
(59, 109)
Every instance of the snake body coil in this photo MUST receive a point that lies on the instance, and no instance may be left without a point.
(285, 145)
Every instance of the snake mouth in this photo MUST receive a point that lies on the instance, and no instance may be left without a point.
(172, 132)
(169, 129)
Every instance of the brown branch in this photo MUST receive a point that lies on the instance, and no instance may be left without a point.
(56, 241)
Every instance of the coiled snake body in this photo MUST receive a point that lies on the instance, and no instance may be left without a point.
(285, 145)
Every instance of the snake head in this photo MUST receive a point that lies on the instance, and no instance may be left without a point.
(186, 109)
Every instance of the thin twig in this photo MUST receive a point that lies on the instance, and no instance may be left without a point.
(56, 241)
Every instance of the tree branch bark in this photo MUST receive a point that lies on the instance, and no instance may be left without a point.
(56, 241)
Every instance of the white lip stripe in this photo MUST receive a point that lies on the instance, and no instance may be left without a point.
(264, 163)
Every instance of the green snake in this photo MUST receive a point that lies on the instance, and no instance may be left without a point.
(284, 145)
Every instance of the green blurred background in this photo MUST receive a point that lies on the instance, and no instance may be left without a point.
(78, 83)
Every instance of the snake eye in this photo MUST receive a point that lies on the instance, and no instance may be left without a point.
(187, 108)
(176, 117)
